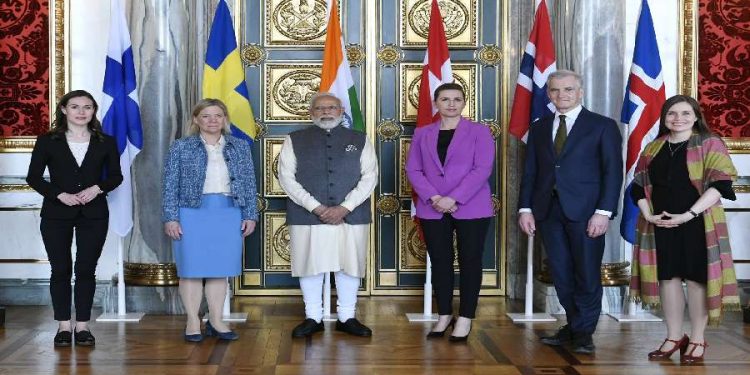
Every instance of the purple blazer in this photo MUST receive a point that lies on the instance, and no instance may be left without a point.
(465, 175)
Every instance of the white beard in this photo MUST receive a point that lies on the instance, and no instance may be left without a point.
(328, 124)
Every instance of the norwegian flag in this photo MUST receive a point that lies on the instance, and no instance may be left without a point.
(437, 68)
(530, 101)
(644, 96)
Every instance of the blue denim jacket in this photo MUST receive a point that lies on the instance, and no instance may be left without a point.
(185, 174)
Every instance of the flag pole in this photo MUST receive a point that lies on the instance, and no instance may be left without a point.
(528, 314)
(426, 315)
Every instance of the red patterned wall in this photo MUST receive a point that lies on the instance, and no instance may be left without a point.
(24, 67)
(724, 65)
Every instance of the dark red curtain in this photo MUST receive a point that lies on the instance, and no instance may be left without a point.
(24, 67)
(724, 65)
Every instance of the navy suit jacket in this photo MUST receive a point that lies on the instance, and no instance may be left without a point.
(587, 173)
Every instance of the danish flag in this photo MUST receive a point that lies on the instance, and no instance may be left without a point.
(530, 101)
(437, 68)
(644, 96)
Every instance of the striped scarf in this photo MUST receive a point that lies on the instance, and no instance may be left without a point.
(707, 161)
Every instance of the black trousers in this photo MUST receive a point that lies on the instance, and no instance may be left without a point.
(57, 235)
(470, 235)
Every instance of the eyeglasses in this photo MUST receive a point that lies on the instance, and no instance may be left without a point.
(324, 108)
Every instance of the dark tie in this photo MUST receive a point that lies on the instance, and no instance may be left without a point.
(561, 135)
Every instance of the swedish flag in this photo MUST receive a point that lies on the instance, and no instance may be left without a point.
(224, 76)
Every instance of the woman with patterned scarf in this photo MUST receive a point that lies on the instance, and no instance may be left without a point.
(682, 231)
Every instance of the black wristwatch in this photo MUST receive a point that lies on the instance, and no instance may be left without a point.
(693, 213)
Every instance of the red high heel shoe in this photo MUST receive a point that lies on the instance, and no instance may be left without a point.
(680, 344)
(689, 359)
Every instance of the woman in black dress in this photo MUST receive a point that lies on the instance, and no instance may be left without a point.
(684, 149)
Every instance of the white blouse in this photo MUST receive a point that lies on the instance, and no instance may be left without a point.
(78, 150)
(217, 173)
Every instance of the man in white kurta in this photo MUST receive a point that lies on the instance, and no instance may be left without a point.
(329, 173)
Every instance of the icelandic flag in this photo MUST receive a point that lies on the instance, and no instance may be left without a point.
(530, 101)
(224, 75)
(122, 117)
(336, 75)
(644, 96)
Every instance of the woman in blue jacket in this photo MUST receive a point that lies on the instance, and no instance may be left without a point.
(209, 207)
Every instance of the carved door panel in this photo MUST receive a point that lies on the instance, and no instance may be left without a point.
(282, 44)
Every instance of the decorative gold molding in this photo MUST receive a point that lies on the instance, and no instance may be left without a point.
(739, 145)
(390, 55)
(17, 144)
(288, 90)
(150, 274)
(389, 130)
(271, 149)
(744, 189)
(459, 20)
(388, 205)
(497, 204)
(355, 54)
(261, 129)
(410, 80)
(489, 55)
(296, 22)
(15, 188)
(404, 186)
(253, 54)
(495, 128)
(388, 278)
(276, 238)
(687, 77)
(261, 203)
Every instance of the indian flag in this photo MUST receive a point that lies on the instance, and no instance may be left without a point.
(336, 74)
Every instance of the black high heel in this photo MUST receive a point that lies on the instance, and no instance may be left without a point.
(436, 334)
(460, 338)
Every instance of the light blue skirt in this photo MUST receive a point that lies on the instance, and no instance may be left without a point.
(211, 243)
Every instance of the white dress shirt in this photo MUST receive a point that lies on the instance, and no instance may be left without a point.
(217, 173)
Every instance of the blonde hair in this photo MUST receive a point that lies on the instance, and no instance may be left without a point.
(202, 104)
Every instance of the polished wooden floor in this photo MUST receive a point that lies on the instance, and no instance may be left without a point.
(496, 345)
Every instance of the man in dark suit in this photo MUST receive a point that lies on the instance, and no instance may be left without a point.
(570, 190)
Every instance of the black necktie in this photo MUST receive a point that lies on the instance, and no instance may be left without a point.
(561, 135)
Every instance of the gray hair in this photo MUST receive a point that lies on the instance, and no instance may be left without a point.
(319, 95)
(564, 73)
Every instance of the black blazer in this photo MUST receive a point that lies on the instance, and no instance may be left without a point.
(100, 166)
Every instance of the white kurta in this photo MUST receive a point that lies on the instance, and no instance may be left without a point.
(328, 248)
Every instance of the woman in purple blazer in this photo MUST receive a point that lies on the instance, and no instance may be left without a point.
(449, 165)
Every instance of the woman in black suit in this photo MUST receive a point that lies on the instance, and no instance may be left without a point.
(83, 166)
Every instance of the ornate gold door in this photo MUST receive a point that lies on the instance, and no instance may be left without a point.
(282, 48)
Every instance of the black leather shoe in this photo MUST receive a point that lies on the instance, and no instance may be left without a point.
(307, 328)
(353, 327)
(84, 338)
(564, 335)
(456, 339)
(63, 338)
(583, 344)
